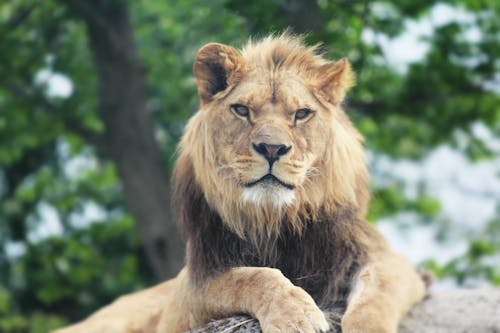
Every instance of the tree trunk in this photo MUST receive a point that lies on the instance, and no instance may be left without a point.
(129, 139)
(467, 311)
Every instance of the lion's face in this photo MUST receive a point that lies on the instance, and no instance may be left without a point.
(271, 140)
(270, 132)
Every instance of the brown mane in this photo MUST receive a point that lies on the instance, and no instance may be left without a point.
(323, 236)
(323, 259)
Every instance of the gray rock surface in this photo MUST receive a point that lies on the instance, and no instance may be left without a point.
(457, 311)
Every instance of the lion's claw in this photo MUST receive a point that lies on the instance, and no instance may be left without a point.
(293, 311)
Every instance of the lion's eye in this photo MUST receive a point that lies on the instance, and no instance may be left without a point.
(240, 110)
(302, 114)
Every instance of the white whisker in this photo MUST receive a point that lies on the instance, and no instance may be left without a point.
(229, 176)
(312, 172)
(227, 171)
(225, 167)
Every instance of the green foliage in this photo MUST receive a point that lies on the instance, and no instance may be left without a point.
(480, 262)
(59, 278)
(390, 200)
(72, 276)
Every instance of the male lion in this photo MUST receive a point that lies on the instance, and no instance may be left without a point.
(272, 188)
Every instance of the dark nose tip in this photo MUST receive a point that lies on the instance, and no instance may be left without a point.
(271, 152)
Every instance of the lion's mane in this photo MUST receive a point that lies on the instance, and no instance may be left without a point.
(341, 180)
(322, 233)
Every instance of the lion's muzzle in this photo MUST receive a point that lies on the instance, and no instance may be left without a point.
(271, 152)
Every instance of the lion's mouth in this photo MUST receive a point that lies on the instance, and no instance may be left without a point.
(271, 180)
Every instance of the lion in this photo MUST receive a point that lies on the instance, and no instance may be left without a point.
(272, 189)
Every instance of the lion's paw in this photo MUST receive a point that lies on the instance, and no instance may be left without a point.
(359, 323)
(293, 310)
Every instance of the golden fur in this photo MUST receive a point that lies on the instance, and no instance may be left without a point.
(328, 165)
(272, 190)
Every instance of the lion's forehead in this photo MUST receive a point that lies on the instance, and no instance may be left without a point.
(279, 92)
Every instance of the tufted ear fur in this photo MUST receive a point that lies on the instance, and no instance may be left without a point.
(336, 79)
(217, 68)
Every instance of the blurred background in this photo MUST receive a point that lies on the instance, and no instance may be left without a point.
(94, 95)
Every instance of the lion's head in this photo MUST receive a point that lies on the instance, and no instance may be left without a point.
(271, 142)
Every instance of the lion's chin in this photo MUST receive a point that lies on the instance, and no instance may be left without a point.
(266, 194)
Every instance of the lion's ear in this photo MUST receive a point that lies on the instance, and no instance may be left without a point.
(217, 67)
(336, 79)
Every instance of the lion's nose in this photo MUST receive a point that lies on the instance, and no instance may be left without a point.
(271, 152)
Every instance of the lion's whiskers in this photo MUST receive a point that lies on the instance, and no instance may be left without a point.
(224, 167)
(227, 171)
(229, 176)
(312, 172)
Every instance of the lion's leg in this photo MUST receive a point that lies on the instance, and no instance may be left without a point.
(264, 293)
(384, 292)
(144, 311)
